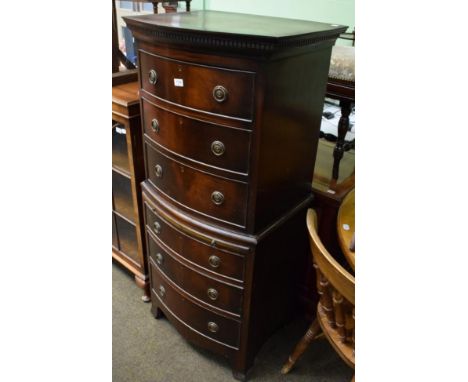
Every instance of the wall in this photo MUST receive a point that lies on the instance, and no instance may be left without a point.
(328, 11)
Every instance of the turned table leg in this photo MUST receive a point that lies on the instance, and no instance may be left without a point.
(343, 127)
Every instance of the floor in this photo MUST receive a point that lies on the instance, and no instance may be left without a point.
(149, 350)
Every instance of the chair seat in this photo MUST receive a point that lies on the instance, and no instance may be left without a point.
(342, 63)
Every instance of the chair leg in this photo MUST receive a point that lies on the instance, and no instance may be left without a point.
(301, 347)
(353, 379)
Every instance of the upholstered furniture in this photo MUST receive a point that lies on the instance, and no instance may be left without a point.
(231, 108)
(335, 310)
(128, 244)
(341, 80)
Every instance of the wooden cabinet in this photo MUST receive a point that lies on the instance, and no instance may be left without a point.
(231, 109)
(128, 243)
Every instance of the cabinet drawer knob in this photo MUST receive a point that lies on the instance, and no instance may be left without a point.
(214, 261)
(212, 294)
(217, 198)
(152, 76)
(220, 93)
(213, 327)
(158, 170)
(217, 148)
(155, 125)
(162, 291)
(159, 259)
(157, 227)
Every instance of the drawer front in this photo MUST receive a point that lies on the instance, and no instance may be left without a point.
(204, 255)
(208, 194)
(206, 289)
(207, 323)
(212, 144)
(205, 88)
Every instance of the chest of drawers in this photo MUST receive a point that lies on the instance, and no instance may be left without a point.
(231, 108)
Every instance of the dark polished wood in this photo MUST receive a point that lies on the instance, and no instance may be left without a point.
(128, 242)
(225, 262)
(231, 117)
(216, 146)
(197, 85)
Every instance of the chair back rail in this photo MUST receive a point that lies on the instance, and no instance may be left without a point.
(332, 272)
(335, 310)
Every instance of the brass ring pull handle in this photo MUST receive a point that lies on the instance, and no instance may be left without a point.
(220, 93)
(158, 170)
(213, 327)
(155, 125)
(162, 291)
(152, 77)
(212, 294)
(217, 148)
(157, 227)
(159, 259)
(217, 198)
(214, 261)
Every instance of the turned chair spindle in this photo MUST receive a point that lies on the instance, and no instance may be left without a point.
(335, 310)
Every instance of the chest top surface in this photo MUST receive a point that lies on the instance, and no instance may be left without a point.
(242, 30)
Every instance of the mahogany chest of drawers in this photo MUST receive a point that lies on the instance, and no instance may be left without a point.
(231, 109)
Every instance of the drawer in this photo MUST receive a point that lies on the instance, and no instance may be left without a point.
(212, 259)
(217, 294)
(208, 194)
(203, 321)
(214, 145)
(206, 88)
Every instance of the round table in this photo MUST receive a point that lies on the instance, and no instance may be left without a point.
(345, 225)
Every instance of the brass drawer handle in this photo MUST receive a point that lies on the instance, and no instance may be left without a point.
(162, 291)
(157, 227)
(217, 148)
(158, 170)
(212, 294)
(213, 327)
(217, 198)
(153, 76)
(155, 125)
(214, 261)
(159, 259)
(220, 93)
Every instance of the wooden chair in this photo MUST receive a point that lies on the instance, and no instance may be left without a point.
(335, 310)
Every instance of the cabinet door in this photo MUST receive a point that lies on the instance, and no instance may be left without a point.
(126, 232)
(119, 147)
(115, 240)
(122, 194)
